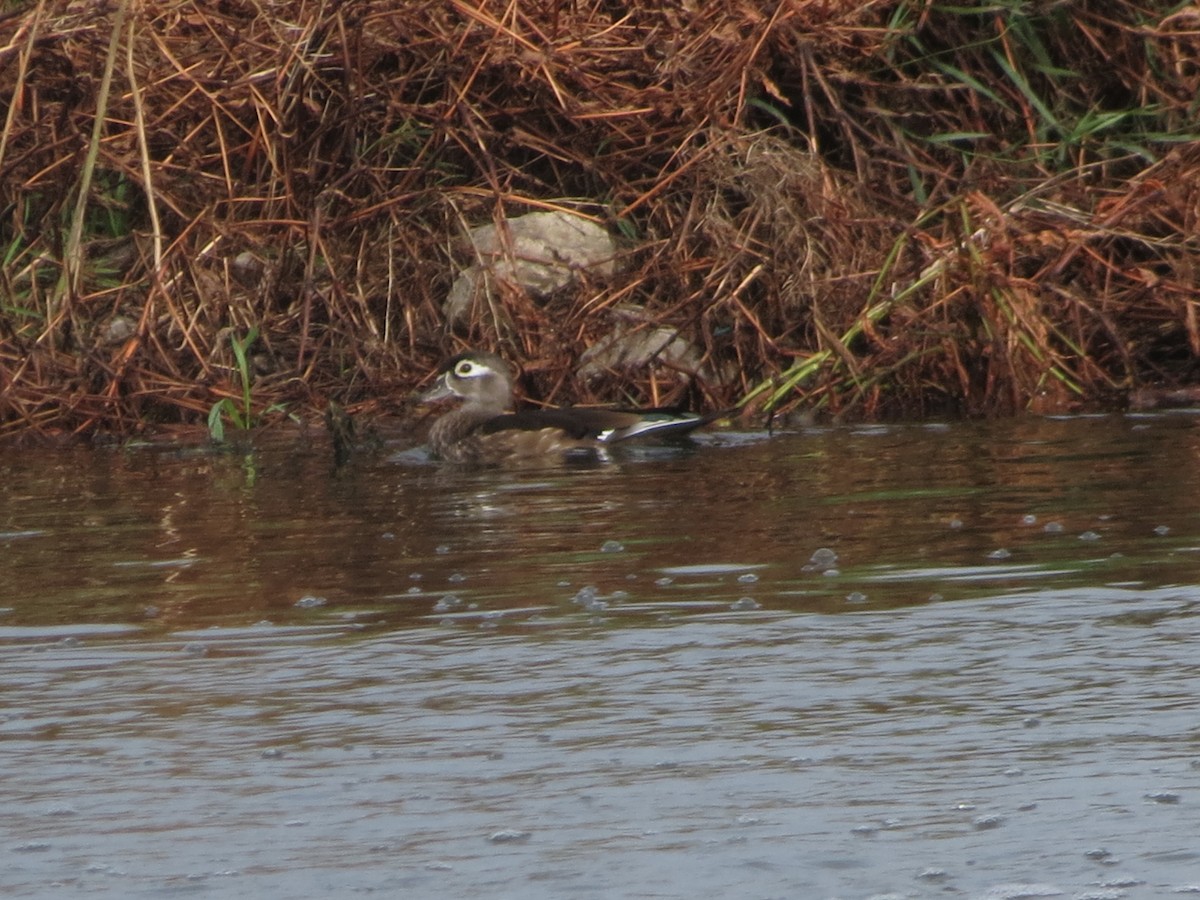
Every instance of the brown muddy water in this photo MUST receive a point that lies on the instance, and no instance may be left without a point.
(902, 661)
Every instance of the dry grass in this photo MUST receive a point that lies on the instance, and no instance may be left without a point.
(872, 208)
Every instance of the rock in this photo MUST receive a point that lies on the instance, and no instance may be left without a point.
(117, 330)
(541, 252)
(635, 343)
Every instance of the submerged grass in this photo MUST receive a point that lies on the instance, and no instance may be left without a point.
(868, 209)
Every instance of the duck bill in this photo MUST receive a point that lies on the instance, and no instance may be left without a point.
(440, 391)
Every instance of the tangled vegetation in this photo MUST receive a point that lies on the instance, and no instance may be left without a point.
(239, 210)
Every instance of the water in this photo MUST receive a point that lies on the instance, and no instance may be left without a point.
(910, 661)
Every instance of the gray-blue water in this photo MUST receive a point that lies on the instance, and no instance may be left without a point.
(910, 661)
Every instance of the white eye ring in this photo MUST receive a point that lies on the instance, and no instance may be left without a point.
(465, 369)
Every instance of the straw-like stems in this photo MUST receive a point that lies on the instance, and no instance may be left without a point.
(72, 261)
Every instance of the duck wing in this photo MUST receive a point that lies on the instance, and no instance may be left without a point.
(606, 426)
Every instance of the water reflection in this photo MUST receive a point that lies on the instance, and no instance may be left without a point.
(242, 676)
(166, 538)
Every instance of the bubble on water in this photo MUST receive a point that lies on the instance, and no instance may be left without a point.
(618, 595)
(272, 753)
(1029, 519)
(865, 830)
(933, 875)
(441, 549)
(965, 806)
(1001, 553)
(856, 597)
(388, 536)
(1162, 530)
(955, 524)
(743, 604)
(1013, 772)
(62, 809)
(151, 612)
(1089, 536)
(437, 865)
(448, 603)
(415, 576)
(509, 836)
(32, 847)
(1163, 796)
(308, 601)
(1053, 528)
(457, 578)
(1097, 853)
(744, 820)
(586, 594)
(747, 578)
(832, 573)
(1020, 891)
(414, 590)
(1031, 722)
(612, 547)
(193, 648)
(664, 581)
(823, 558)
(987, 822)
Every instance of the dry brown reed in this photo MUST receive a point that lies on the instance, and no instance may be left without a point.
(873, 208)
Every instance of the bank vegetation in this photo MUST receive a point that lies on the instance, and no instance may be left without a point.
(239, 211)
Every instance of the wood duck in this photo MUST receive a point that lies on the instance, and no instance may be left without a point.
(486, 429)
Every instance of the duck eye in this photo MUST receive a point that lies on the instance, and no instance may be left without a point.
(464, 368)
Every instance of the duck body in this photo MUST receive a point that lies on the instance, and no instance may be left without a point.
(486, 428)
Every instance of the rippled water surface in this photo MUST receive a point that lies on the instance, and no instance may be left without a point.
(912, 661)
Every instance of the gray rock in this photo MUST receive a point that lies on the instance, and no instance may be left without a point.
(540, 252)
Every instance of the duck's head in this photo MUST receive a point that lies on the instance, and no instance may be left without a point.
(482, 379)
